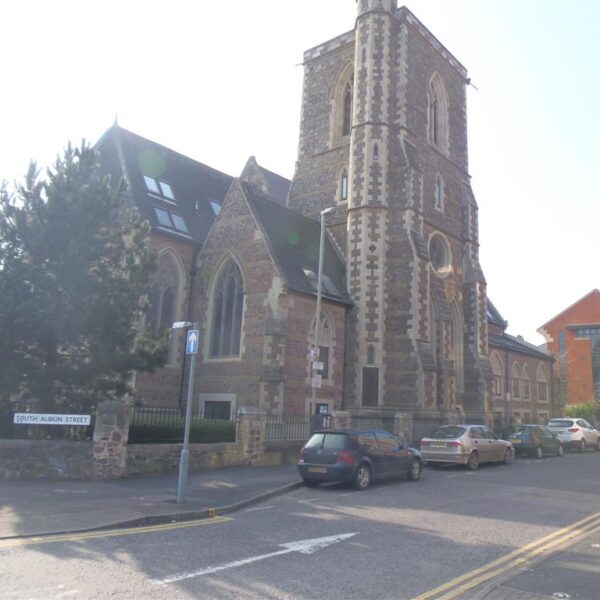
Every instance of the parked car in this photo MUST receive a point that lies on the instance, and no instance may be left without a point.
(357, 457)
(468, 445)
(536, 441)
(575, 433)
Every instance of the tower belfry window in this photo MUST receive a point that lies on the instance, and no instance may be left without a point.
(437, 114)
(347, 113)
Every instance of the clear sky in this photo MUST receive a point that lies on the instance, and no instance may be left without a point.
(221, 80)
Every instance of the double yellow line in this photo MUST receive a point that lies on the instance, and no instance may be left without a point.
(90, 535)
(466, 582)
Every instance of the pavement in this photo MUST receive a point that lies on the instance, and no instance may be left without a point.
(37, 508)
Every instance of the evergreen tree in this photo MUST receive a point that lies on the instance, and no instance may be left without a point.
(75, 264)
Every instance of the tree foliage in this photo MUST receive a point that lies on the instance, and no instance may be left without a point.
(75, 264)
(590, 411)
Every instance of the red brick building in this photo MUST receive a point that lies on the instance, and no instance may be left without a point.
(574, 337)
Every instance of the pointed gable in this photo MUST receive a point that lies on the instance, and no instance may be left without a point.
(265, 183)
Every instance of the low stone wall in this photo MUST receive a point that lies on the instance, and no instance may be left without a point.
(145, 459)
(45, 459)
(281, 452)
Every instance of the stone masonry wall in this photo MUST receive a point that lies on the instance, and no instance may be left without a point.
(45, 459)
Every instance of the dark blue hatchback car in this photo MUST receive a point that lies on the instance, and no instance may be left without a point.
(357, 457)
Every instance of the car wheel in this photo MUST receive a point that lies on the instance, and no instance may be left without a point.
(414, 470)
(582, 446)
(508, 456)
(311, 482)
(362, 477)
(539, 452)
(560, 451)
(473, 461)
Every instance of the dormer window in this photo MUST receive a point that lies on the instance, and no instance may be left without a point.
(327, 285)
(170, 220)
(159, 188)
(216, 207)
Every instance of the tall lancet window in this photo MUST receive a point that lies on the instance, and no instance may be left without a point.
(456, 345)
(164, 299)
(437, 114)
(347, 109)
(227, 310)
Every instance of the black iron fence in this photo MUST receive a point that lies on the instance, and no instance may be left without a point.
(372, 422)
(9, 430)
(151, 425)
(288, 427)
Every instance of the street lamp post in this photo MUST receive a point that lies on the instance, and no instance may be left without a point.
(192, 344)
(324, 212)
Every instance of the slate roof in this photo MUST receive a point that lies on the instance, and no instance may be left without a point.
(279, 186)
(513, 344)
(194, 185)
(294, 241)
(494, 316)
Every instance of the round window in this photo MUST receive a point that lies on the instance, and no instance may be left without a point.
(439, 253)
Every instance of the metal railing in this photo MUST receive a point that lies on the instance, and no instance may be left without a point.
(372, 422)
(288, 427)
(165, 425)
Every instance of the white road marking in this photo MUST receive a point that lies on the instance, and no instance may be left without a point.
(260, 508)
(302, 546)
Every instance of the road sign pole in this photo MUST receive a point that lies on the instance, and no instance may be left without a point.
(185, 452)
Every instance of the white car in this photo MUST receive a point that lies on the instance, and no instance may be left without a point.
(575, 433)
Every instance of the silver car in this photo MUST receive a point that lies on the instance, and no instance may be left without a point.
(468, 445)
(575, 433)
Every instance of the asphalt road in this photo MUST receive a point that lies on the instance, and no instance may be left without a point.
(497, 530)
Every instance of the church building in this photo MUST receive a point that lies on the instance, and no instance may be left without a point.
(383, 164)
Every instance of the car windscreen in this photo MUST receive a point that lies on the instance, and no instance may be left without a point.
(327, 440)
(560, 423)
(449, 433)
(520, 431)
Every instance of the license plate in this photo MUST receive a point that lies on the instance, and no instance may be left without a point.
(438, 445)
(516, 441)
(317, 469)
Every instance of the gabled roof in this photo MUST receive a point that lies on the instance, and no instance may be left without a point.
(265, 183)
(194, 185)
(294, 242)
(593, 292)
(515, 344)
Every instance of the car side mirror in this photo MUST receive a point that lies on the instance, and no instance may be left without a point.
(401, 446)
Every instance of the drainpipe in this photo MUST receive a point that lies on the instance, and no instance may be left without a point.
(507, 391)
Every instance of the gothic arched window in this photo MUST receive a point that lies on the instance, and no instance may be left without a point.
(439, 193)
(344, 185)
(164, 299)
(227, 309)
(347, 110)
(456, 345)
(163, 295)
(437, 114)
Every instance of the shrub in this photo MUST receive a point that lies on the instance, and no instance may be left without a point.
(590, 411)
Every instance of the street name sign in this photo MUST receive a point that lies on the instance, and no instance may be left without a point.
(48, 419)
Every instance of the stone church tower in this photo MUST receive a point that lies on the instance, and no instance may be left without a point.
(383, 139)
